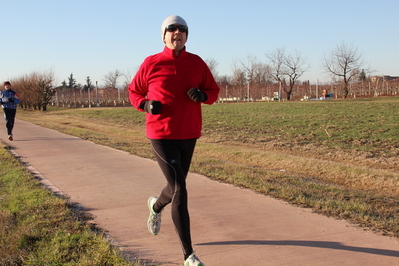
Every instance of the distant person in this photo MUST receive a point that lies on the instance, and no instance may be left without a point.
(9, 101)
(170, 86)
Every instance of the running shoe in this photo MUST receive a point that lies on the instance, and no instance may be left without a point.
(154, 221)
(193, 260)
(10, 137)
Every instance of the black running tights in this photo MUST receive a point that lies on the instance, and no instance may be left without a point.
(9, 115)
(174, 158)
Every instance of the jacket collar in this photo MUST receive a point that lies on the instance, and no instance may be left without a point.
(171, 52)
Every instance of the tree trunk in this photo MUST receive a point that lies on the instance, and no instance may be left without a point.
(345, 91)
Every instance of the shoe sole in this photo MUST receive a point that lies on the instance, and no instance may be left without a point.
(149, 218)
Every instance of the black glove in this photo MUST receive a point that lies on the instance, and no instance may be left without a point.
(152, 107)
(197, 95)
(11, 100)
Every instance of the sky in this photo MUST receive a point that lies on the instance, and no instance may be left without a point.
(95, 37)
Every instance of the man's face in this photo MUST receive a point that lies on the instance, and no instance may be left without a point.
(175, 37)
(7, 86)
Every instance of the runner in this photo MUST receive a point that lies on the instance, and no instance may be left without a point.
(170, 86)
(9, 101)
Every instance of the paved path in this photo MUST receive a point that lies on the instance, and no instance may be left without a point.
(230, 226)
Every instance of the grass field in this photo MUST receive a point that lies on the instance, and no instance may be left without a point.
(338, 157)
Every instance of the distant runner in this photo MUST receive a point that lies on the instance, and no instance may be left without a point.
(9, 100)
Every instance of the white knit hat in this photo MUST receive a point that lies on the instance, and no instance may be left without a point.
(174, 19)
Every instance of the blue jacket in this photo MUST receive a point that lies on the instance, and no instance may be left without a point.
(9, 99)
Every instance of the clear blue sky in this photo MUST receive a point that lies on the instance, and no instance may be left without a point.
(94, 37)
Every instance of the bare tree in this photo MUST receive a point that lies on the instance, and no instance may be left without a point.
(249, 65)
(36, 89)
(295, 66)
(287, 66)
(111, 79)
(128, 76)
(262, 74)
(238, 81)
(344, 62)
(277, 59)
(257, 75)
(45, 89)
(213, 64)
(251, 76)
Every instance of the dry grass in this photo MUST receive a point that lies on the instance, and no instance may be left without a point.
(37, 228)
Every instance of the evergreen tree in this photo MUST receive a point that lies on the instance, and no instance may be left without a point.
(362, 76)
(71, 82)
(88, 85)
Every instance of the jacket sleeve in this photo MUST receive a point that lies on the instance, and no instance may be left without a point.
(209, 86)
(138, 88)
(17, 99)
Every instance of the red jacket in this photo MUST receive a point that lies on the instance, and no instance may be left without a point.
(167, 78)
